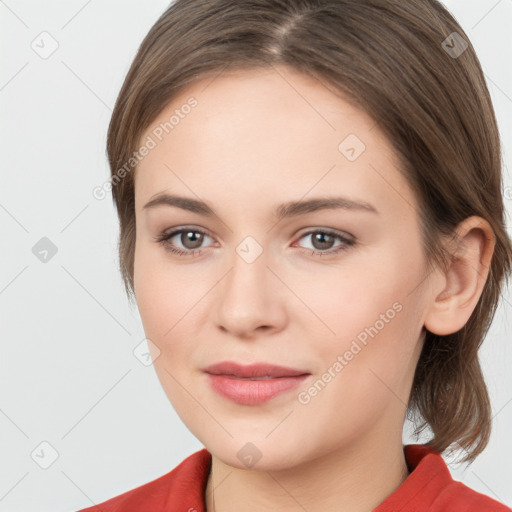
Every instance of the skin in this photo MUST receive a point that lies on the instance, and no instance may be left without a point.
(255, 140)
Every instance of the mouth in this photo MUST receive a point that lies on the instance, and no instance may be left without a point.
(253, 384)
(253, 371)
(254, 378)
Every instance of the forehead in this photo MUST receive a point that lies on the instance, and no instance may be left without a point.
(256, 102)
(272, 132)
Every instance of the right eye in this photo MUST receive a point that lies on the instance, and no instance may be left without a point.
(190, 238)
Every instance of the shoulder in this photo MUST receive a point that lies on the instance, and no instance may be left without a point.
(459, 497)
(433, 484)
(188, 480)
(430, 487)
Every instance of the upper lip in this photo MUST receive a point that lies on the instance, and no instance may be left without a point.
(252, 370)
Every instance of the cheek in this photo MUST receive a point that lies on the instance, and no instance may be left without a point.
(374, 316)
(168, 321)
(156, 292)
(367, 369)
(168, 299)
(365, 289)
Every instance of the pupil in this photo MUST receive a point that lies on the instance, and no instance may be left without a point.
(190, 235)
(319, 237)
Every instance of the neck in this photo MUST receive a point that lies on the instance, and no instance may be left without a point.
(355, 479)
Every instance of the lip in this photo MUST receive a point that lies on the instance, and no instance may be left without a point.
(233, 381)
(230, 368)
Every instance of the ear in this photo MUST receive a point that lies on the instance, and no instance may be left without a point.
(457, 289)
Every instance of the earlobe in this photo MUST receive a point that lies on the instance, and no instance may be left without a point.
(456, 290)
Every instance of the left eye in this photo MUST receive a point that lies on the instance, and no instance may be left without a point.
(322, 241)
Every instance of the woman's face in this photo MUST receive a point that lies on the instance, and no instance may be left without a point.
(338, 293)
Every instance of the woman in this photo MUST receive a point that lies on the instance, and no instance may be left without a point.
(309, 195)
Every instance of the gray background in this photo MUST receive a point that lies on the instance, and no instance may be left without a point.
(68, 374)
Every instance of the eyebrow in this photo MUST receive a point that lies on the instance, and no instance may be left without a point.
(285, 210)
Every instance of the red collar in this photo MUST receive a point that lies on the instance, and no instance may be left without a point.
(428, 476)
(428, 488)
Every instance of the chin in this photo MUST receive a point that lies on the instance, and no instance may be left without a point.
(259, 455)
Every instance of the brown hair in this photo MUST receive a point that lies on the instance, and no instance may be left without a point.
(393, 60)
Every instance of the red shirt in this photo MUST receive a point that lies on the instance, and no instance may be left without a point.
(428, 488)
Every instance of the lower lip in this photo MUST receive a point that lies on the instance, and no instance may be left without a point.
(252, 392)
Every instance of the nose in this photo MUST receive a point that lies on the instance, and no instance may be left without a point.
(250, 298)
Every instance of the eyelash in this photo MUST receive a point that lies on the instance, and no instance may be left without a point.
(164, 238)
